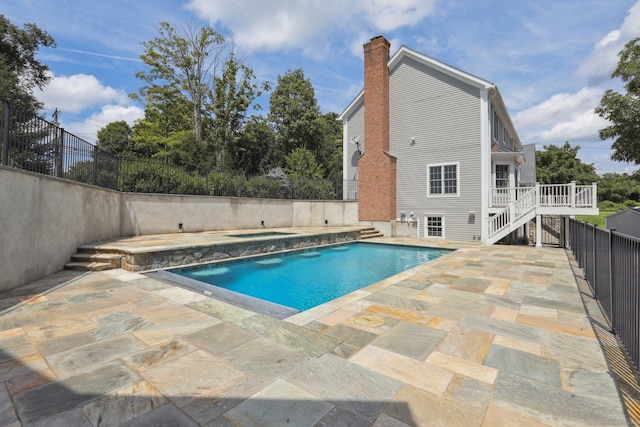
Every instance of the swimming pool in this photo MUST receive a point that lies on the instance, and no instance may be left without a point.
(304, 279)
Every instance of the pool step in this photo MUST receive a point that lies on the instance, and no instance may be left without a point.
(94, 261)
(369, 233)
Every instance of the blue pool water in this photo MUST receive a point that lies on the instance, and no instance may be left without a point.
(305, 279)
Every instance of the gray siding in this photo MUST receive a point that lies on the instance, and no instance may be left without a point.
(355, 127)
(443, 115)
(625, 222)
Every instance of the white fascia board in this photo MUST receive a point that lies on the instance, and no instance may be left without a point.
(352, 106)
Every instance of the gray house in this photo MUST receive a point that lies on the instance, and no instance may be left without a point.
(433, 145)
(625, 222)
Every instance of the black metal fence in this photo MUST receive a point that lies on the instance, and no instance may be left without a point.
(34, 144)
(611, 262)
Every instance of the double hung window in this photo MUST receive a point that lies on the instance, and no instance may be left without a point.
(442, 180)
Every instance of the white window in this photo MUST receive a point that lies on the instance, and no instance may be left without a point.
(434, 226)
(502, 176)
(442, 180)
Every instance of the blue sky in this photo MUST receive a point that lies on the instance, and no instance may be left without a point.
(551, 59)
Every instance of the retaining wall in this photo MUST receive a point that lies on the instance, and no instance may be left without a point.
(44, 219)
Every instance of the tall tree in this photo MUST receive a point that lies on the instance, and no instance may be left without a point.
(182, 63)
(294, 112)
(235, 91)
(20, 71)
(251, 147)
(559, 165)
(623, 110)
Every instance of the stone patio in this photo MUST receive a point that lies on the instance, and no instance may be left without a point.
(483, 336)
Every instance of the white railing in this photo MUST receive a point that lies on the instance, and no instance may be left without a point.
(520, 205)
(501, 197)
(516, 210)
(549, 195)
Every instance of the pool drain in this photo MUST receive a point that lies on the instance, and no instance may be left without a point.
(368, 320)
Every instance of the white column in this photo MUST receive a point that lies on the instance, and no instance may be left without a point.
(538, 231)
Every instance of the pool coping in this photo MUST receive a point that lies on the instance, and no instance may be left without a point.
(216, 246)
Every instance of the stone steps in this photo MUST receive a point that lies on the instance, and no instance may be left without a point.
(369, 233)
(93, 261)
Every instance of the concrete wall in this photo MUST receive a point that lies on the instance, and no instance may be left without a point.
(143, 214)
(45, 219)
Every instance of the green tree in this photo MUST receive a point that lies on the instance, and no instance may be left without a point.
(20, 71)
(235, 91)
(182, 63)
(115, 138)
(560, 165)
(294, 113)
(251, 147)
(622, 111)
(330, 153)
(301, 163)
(20, 74)
(619, 188)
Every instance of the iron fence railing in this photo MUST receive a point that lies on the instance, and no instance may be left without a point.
(611, 263)
(34, 144)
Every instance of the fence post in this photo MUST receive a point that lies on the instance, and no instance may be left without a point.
(584, 244)
(60, 162)
(611, 278)
(118, 165)
(95, 165)
(572, 194)
(593, 262)
(5, 131)
(166, 161)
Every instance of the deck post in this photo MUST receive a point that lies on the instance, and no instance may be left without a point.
(572, 194)
(538, 231)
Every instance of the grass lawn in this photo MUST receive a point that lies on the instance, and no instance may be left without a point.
(595, 219)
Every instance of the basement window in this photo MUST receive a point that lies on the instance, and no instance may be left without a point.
(434, 226)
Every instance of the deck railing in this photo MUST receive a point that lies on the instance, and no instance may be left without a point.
(548, 195)
(515, 210)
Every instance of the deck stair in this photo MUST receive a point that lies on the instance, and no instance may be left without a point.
(369, 233)
(93, 260)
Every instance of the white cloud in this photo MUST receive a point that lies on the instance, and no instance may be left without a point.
(602, 60)
(387, 15)
(78, 92)
(560, 106)
(310, 25)
(581, 125)
(88, 129)
(562, 117)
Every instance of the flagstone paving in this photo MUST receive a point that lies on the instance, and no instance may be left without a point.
(482, 336)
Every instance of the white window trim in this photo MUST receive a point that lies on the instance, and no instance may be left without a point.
(443, 194)
(426, 222)
(511, 174)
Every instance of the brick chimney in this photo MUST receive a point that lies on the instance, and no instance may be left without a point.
(376, 167)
